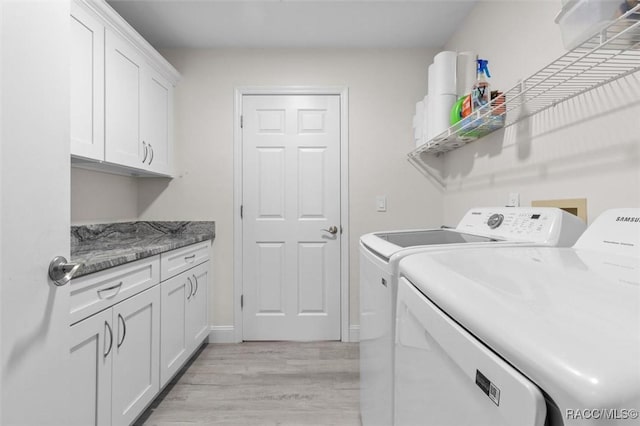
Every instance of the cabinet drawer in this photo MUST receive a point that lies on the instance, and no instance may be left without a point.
(101, 290)
(176, 261)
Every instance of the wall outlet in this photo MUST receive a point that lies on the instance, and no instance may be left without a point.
(381, 203)
(514, 200)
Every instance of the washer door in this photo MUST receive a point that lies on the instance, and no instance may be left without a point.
(444, 376)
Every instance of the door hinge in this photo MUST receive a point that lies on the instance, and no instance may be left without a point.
(242, 121)
(241, 301)
(241, 212)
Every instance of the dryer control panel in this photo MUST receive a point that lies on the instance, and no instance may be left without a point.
(528, 224)
(615, 231)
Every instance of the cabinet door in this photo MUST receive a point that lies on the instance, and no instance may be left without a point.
(173, 341)
(91, 354)
(197, 324)
(157, 121)
(136, 371)
(123, 79)
(87, 84)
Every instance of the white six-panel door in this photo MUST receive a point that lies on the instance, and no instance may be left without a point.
(291, 199)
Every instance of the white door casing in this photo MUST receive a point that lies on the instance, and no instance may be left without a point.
(35, 211)
(291, 197)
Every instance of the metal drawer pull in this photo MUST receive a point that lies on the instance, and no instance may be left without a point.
(124, 330)
(188, 258)
(146, 151)
(195, 278)
(113, 287)
(190, 289)
(108, 327)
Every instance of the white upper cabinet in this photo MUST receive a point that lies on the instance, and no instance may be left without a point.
(87, 84)
(121, 96)
(156, 122)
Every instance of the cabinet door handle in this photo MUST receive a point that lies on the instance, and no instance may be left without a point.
(146, 152)
(108, 327)
(190, 288)
(124, 330)
(195, 278)
(151, 159)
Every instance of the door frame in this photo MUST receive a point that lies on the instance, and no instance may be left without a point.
(343, 93)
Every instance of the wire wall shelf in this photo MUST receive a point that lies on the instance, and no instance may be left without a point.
(612, 53)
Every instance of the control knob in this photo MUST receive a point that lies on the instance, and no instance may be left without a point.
(495, 220)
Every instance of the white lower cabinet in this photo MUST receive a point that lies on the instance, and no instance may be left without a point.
(124, 354)
(136, 355)
(91, 355)
(173, 343)
(184, 318)
(197, 324)
(115, 355)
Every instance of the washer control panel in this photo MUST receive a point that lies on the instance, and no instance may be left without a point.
(495, 220)
(514, 223)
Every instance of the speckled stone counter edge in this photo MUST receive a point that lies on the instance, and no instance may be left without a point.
(104, 246)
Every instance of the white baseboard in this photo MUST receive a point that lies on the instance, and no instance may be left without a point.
(354, 333)
(222, 334)
(226, 334)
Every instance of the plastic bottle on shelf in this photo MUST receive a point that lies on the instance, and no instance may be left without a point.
(481, 93)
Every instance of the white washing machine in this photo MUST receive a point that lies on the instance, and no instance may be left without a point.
(523, 335)
(380, 253)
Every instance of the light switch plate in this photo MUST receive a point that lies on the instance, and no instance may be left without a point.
(381, 203)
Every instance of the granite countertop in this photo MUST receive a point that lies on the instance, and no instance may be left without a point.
(104, 246)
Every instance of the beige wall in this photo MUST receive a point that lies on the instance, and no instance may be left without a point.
(586, 147)
(384, 86)
(102, 198)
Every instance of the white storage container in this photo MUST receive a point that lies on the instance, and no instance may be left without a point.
(579, 20)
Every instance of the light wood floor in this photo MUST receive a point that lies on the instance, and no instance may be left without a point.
(264, 383)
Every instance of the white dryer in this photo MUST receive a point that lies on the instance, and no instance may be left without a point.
(380, 253)
(523, 336)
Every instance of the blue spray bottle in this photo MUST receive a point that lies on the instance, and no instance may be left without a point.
(481, 93)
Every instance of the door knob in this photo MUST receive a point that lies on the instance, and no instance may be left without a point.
(332, 230)
(60, 271)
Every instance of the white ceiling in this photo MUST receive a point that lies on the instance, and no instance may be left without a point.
(294, 23)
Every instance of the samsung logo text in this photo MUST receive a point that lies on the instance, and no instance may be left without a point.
(627, 219)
